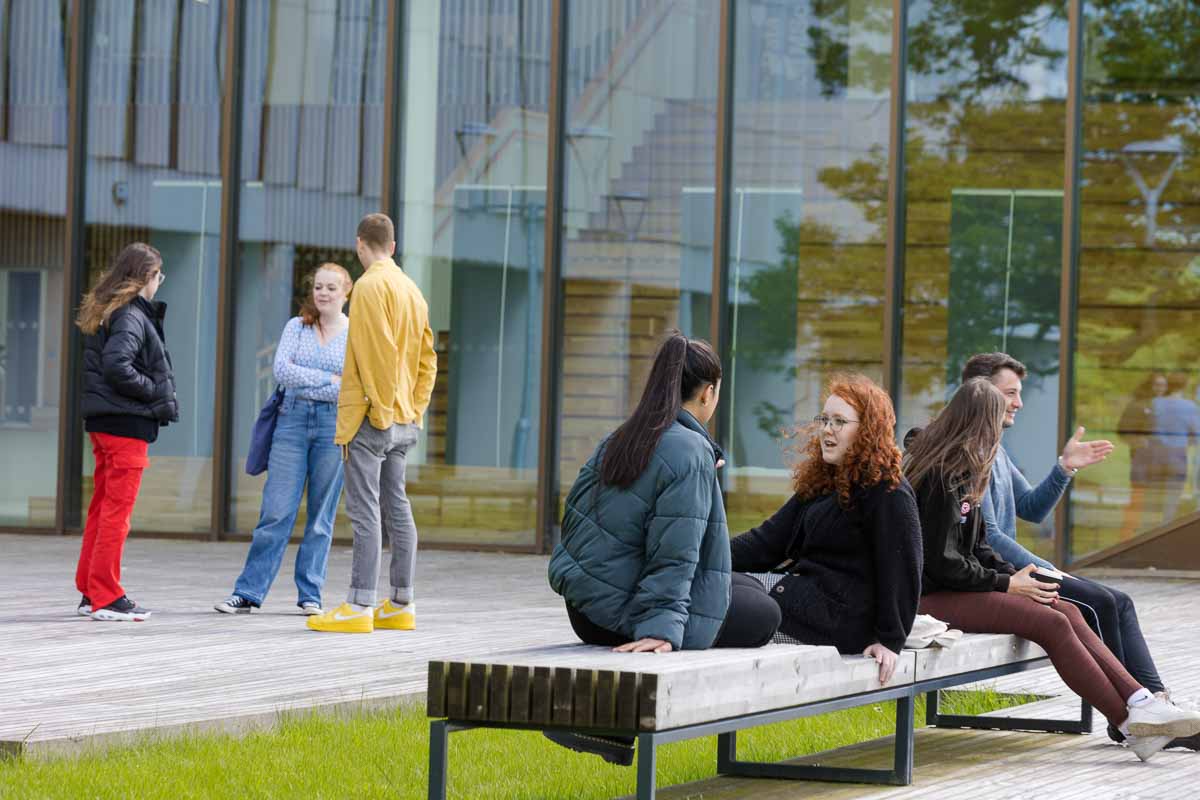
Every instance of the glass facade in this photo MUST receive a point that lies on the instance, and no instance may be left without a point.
(637, 203)
(952, 200)
(984, 151)
(472, 208)
(34, 47)
(1139, 264)
(153, 174)
(808, 215)
(312, 119)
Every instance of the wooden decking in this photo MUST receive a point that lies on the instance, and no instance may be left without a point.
(68, 681)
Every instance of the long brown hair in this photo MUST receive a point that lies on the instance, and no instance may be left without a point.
(961, 442)
(308, 308)
(873, 457)
(130, 273)
(682, 367)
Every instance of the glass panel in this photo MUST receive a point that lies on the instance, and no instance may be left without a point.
(984, 148)
(1139, 264)
(311, 154)
(638, 202)
(472, 221)
(153, 175)
(34, 48)
(808, 225)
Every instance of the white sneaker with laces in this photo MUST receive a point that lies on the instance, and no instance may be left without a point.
(1144, 747)
(309, 608)
(1158, 717)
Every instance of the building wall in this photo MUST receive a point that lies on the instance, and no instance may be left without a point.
(981, 244)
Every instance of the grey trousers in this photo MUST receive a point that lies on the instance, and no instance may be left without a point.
(377, 503)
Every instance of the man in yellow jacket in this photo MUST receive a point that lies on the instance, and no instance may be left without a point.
(386, 385)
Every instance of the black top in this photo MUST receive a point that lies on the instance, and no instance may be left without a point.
(957, 555)
(128, 382)
(854, 574)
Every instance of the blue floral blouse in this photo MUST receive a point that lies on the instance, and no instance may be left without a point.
(304, 366)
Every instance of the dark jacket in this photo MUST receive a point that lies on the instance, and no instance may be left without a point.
(651, 560)
(854, 574)
(127, 371)
(957, 555)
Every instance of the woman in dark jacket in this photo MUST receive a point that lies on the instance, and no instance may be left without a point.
(849, 538)
(972, 588)
(129, 392)
(643, 564)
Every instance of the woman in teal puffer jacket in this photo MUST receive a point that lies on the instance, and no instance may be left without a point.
(644, 562)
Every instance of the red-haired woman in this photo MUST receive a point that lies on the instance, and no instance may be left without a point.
(308, 364)
(850, 537)
(129, 392)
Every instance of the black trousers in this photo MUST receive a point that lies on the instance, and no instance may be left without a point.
(1110, 612)
(751, 621)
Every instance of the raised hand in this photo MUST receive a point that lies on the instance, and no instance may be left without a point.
(1078, 454)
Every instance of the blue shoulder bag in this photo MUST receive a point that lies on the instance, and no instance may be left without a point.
(263, 432)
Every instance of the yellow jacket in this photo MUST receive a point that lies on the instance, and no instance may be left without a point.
(390, 362)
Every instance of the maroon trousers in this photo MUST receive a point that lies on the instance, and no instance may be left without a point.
(1082, 660)
(119, 464)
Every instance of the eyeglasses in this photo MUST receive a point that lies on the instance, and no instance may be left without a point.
(162, 277)
(837, 422)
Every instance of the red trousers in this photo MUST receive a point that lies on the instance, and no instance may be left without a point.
(119, 464)
(1081, 659)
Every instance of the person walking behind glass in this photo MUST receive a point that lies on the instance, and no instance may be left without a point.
(128, 393)
(390, 370)
(308, 364)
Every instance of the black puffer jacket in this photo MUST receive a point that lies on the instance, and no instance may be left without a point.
(126, 367)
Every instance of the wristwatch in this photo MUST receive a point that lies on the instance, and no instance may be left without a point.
(1070, 472)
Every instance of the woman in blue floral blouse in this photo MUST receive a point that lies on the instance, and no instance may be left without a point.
(308, 364)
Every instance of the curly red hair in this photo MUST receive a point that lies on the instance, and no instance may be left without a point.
(873, 457)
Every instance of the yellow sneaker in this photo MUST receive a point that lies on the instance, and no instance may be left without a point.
(343, 619)
(397, 618)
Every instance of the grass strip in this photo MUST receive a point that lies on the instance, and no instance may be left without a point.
(384, 754)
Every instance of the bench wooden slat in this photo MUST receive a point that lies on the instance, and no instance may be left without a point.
(647, 701)
(585, 701)
(540, 711)
(606, 695)
(498, 693)
(456, 690)
(519, 694)
(627, 701)
(435, 694)
(477, 691)
(564, 696)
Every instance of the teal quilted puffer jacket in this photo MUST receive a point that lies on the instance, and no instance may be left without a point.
(651, 560)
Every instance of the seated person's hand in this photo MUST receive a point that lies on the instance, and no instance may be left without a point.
(646, 645)
(1024, 583)
(886, 659)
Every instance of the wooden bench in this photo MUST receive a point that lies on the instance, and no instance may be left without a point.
(667, 698)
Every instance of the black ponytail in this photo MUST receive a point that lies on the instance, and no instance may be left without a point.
(682, 367)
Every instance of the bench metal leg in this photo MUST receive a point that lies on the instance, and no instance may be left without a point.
(899, 775)
(439, 752)
(934, 717)
(646, 768)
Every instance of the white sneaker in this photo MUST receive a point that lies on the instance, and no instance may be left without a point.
(1144, 747)
(309, 608)
(1160, 718)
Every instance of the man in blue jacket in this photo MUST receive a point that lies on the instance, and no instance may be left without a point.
(1110, 611)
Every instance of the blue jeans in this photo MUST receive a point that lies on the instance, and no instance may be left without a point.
(302, 450)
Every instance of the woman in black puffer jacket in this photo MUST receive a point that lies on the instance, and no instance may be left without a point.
(128, 393)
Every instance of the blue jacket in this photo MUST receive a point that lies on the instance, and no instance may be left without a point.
(651, 560)
(1010, 496)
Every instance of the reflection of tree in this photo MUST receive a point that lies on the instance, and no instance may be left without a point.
(819, 284)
